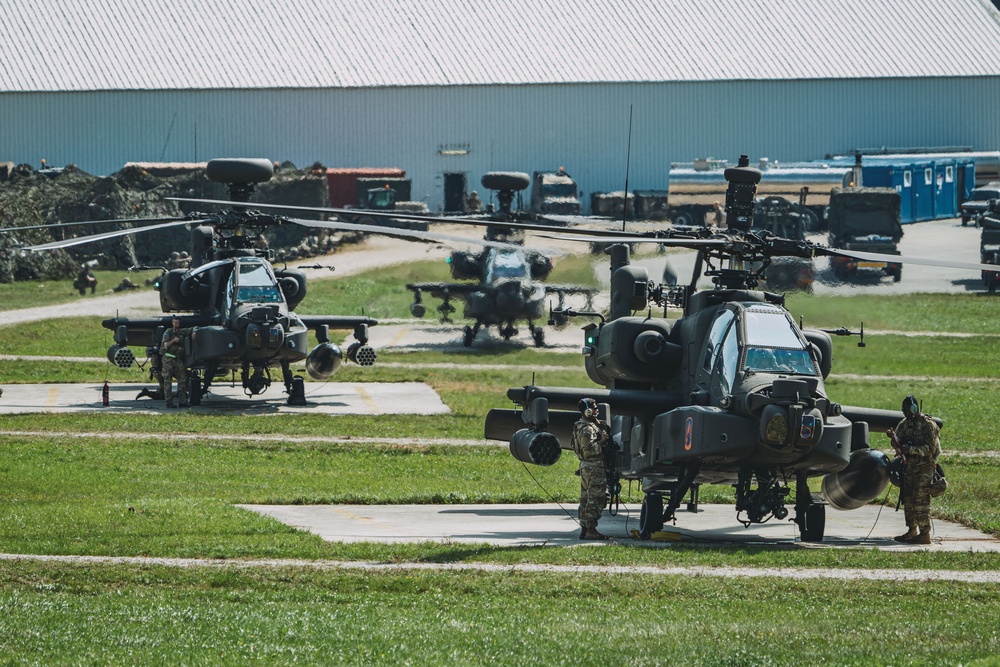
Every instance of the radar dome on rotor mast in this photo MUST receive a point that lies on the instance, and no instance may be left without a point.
(240, 174)
(506, 183)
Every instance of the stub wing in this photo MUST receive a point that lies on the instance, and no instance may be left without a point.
(336, 321)
(444, 290)
(571, 289)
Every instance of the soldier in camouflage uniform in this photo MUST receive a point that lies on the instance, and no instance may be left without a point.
(588, 443)
(916, 439)
(173, 366)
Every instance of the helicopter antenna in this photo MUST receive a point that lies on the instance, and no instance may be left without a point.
(167, 140)
(628, 161)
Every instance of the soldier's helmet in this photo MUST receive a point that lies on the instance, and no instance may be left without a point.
(910, 406)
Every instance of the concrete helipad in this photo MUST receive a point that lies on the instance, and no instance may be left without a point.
(321, 398)
(416, 335)
(555, 525)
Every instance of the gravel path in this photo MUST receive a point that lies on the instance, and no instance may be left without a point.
(798, 573)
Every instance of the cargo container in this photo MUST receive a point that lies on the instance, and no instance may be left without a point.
(343, 183)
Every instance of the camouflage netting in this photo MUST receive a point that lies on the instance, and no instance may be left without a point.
(71, 195)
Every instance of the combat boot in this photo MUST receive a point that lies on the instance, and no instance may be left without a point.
(592, 534)
(923, 538)
(907, 536)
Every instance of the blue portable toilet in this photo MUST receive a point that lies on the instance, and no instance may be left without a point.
(931, 186)
(945, 189)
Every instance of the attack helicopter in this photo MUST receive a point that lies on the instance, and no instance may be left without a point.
(731, 392)
(502, 283)
(240, 309)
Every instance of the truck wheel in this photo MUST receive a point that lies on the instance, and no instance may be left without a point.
(683, 219)
(810, 221)
(897, 274)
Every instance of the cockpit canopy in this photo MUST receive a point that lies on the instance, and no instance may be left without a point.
(506, 264)
(756, 337)
(772, 343)
(254, 282)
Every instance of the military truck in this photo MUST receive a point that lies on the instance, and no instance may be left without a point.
(554, 192)
(989, 243)
(375, 190)
(865, 220)
(979, 201)
(786, 219)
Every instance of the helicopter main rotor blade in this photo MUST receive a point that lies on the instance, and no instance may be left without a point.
(67, 243)
(905, 259)
(390, 215)
(624, 238)
(56, 225)
(400, 233)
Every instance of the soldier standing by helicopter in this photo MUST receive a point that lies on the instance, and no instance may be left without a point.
(916, 439)
(173, 366)
(589, 438)
(84, 279)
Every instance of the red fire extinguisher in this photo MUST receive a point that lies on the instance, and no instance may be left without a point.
(105, 394)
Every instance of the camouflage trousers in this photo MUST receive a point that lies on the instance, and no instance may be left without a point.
(593, 488)
(174, 368)
(917, 494)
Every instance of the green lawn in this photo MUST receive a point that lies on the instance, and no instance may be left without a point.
(31, 293)
(166, 496)
(156, 615)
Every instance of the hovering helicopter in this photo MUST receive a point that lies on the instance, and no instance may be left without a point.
(240, 308)
(506, 283)
(731, 392)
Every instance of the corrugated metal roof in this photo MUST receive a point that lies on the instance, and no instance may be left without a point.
(78, 45)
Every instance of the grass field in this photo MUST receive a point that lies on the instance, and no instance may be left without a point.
(170, 497)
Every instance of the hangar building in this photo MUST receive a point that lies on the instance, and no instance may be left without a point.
(448, 89)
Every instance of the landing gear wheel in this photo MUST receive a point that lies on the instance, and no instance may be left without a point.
(538, 335)
(194, 390)
(651, 515)
(813, 524)
(991, 282)
(897, 275)
(468, 337)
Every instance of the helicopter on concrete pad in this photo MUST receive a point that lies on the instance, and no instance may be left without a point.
(732, 392)
(241, 309)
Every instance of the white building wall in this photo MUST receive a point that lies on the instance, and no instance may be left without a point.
(583, 127)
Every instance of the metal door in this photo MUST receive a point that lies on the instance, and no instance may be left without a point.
(454, 193)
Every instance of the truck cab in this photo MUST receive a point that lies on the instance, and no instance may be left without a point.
(554, 192)
(865, 220)
(978, 202)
